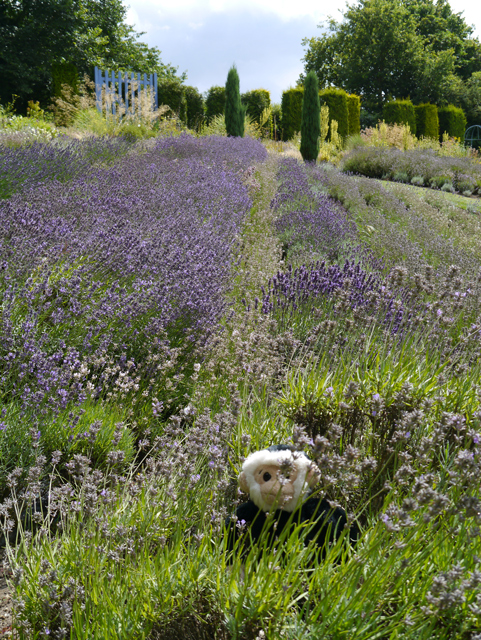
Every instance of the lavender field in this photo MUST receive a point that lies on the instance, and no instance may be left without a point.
(170, 306)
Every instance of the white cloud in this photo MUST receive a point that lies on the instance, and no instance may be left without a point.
(197, 10)
(284, 9)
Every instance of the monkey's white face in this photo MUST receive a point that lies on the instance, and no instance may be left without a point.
(275, 487)
(277, 479)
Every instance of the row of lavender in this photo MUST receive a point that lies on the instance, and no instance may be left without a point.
(63, 159)
(421, 167)
(382, 330)
(109, 280)
(322, 240)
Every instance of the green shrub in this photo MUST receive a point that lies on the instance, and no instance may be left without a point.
(437, 182)
(400, 112)
(255, 102)
(214, 103)
(336, 100)
(452, 121)
(311, 119)
(234, 110)
(448, 186)
(172, 94)
(291, 112)
(465, 184)
(427, 121)
(354, 113)
(195, 107)
(401, 176)
(418, 181)
(64, 73)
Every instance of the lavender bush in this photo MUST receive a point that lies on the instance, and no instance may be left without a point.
(34, 164)
(309, 225)
(105, 296)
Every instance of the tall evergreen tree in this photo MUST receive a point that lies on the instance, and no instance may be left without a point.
(234, 111)
(311, 119)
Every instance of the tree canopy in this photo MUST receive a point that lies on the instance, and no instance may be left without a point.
(35, 34)
(386, 49)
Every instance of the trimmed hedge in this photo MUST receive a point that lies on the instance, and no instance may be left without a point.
(291, 112)
(214, 103)
(427, 121)
(195, 107)
(354, 113)
(452, 120)
(64, 73)
(336, 100)
(400, 112)
(255, 102)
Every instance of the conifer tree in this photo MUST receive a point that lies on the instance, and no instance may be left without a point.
(311, 119)
(234, 111)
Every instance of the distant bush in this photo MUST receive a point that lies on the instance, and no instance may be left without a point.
(427, 121)
(387, 135)
(452, 121)
(354, 114)
(172, 94)
(336, 100)
(214, 103)
(195, 107)
(255, 102)
(291, 112)
(400, 112)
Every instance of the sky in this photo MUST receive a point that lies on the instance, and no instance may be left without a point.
(263, 38)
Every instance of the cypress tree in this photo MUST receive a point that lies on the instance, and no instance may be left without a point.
(311, 119)
(234, 111)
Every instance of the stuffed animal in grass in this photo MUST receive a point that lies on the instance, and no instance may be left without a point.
(281, 480)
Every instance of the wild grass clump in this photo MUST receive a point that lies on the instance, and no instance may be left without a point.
(209, 301)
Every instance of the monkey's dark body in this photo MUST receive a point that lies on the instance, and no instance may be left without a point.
(318, 513)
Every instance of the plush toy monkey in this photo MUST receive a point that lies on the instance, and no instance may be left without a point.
(280, 480)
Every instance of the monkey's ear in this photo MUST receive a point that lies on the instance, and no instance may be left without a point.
(313, 475)
(243, 483)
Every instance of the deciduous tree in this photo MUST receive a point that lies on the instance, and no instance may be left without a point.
(34, 34)
(387, 49)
